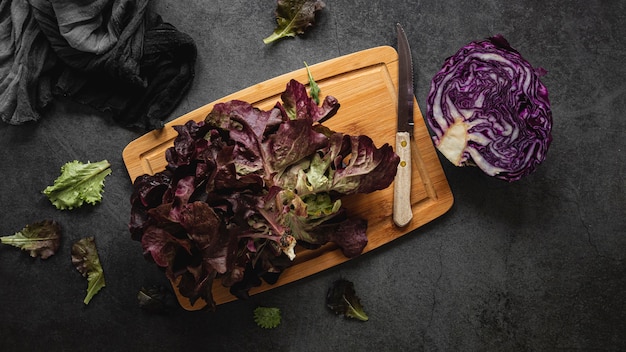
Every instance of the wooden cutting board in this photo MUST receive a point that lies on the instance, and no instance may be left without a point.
(365, 84)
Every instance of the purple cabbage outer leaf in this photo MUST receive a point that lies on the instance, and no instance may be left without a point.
(244, 186)
(488, 108)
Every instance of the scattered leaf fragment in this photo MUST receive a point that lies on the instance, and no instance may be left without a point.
(156, 299)
(267, 317)
(313, 87)
(40, 239)
(293, 17)
(78, 183)
(85, 259)
(342, 299)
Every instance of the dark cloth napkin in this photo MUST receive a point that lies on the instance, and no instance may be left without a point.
(117, 56)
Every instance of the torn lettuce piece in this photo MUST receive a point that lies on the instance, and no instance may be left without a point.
(341, 299)
(293, 17)
(86, 260)
(40, 239)
(242, 187)
(156, 299)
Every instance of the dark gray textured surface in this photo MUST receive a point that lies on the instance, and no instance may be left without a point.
(537, 265)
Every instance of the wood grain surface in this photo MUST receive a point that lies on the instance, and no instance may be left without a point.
(365, 84)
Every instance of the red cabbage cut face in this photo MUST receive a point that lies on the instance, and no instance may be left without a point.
(488, 108)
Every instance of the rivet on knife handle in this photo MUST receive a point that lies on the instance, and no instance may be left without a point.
(402, 212)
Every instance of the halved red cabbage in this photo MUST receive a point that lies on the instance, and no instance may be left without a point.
(488, 108)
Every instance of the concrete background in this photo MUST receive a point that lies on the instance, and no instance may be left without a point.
(537, 265)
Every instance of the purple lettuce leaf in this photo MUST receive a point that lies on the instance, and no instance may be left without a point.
(298, 105)
(162, 247)
(293, 17)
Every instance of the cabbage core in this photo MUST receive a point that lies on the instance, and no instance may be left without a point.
(453, 142)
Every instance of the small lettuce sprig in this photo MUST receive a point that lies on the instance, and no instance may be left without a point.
(293, 17)
(78, 183)
(314, 89)
(267, 317)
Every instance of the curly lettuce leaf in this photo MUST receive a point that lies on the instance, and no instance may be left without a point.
(40, 239)
(293, 17)
(86, 260)
(78, 183)
(267, 317)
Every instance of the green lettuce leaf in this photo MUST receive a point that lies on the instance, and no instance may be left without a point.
(293, 17)
(267, 317)
(86, 260)
(40, 239)
(78, 183)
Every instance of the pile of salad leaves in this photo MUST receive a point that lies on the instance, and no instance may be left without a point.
(244, 186)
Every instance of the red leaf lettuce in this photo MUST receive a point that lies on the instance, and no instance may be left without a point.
(244, 186)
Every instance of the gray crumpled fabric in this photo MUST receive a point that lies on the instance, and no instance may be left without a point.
(117, 56)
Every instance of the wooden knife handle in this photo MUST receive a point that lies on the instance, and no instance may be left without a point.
(402, 212)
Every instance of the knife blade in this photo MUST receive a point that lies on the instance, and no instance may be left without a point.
(402, 211)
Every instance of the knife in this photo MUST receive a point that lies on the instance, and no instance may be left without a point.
(402, 212)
